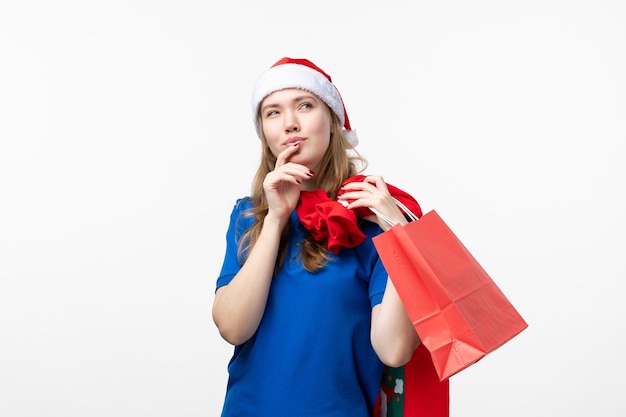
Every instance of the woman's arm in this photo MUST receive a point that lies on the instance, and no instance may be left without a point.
(392, 334)
(238, 307)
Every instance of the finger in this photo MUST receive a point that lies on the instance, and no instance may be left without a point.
(278, 178)
(368, 196)
(290, 173)
(377, 181)
(358, 186)
(361, 190)
(286, 154)
(368, 183)
(298, 170)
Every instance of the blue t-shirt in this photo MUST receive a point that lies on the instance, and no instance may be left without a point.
(312, 354)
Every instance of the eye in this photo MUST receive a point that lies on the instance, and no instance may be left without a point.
(306, 105)
(271, 113)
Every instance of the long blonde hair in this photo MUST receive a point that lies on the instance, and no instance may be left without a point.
(339, 162)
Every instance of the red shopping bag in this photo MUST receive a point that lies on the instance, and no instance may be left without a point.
(458, 311)
(413, 390)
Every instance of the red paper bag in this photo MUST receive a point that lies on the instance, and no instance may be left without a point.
(413, 390)
(457, 310)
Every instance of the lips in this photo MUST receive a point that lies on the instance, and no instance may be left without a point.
(293, 140)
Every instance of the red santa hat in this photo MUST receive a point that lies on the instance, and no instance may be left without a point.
(303, 74)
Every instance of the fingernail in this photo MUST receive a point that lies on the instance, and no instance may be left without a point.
(310, 173)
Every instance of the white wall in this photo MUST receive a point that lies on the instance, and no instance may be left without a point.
(126, 137)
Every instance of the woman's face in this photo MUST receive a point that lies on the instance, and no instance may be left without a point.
(293, 115)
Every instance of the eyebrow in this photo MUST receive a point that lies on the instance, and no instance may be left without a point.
(304, 96)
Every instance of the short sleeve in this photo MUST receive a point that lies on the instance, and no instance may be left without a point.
(377, 274)
(238, 225)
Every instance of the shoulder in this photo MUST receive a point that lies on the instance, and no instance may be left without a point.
(241, 205)
(239, 216)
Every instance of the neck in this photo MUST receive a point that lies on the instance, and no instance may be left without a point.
(308, 185)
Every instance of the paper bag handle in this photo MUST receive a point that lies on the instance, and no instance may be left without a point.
(404, 208)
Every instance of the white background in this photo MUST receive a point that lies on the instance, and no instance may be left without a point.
(126, 137)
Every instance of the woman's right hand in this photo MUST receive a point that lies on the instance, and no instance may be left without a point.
(282, 186)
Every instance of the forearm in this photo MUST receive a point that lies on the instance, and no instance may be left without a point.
(238, 307)
(393, 336)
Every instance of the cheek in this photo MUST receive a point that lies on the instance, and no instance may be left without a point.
(272, 136)
(323, 125)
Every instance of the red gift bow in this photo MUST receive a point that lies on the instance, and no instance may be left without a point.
(329, 220)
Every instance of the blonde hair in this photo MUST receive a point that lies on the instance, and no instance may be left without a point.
(339, 162)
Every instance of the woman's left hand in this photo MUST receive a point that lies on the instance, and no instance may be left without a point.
(372, 193)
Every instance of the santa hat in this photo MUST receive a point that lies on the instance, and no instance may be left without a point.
(303, 74)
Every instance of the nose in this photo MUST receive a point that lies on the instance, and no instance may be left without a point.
(291, 122)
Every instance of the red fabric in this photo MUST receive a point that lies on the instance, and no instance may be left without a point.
(302, 61)
(328, 220)
(424, 394)
(421, 393)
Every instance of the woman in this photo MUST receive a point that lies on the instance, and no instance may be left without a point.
(313, 324)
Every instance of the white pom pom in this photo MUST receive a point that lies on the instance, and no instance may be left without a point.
(351, 137)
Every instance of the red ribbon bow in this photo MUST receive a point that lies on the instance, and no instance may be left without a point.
(329, 220)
